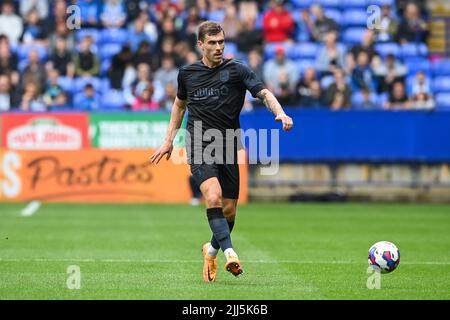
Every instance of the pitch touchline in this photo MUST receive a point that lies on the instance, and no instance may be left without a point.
(193, 261)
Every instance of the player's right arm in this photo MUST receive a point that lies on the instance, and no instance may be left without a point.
(176, 118)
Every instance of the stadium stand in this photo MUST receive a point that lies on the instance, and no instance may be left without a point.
(108, 28)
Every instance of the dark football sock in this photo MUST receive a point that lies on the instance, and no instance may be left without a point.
(219, 227)
(214, 243)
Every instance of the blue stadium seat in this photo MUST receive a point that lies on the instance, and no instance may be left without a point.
(411, 50)
(24, 50)
(334, 14)
(353, 35)
(104, 66)
(231, 49)
(357, 98)
(354, 17)
(217, 15)
(302, 3)
(304, 50)
(380, 2)
(326, 81)
(303, 64)
(441, 84)
(418, 64)
(353, 4)
(94, 33)
(328, 3)
(81, 82)
(441, 67)
(443, 101)
(114, 35)
(107, 51)
(113, 100)
(66, 83)
(386, 48)
(382, 98)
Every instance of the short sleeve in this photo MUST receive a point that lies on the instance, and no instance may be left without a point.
(250, 80)
(181, 92)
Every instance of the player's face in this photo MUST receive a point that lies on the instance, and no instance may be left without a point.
(212, 47)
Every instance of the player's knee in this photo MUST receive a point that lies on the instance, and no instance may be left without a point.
(214, 199)
(229, 212)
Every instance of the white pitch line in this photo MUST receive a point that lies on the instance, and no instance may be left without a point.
(445, 263)
(31, 208)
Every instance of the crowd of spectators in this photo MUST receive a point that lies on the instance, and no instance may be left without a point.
(125, 55)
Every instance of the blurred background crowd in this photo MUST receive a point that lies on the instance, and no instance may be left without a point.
(125, 55)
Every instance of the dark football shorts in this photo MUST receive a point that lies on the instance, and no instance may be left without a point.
(227, 174)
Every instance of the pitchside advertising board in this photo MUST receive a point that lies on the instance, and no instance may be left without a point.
(67, 158)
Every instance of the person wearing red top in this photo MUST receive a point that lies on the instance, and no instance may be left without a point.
(143, 100)
(278, 23)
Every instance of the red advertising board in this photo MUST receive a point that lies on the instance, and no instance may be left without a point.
(45, 131)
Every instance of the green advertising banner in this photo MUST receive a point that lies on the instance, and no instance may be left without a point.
(130, 130)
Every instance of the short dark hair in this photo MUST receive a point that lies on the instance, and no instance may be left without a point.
(209, 28)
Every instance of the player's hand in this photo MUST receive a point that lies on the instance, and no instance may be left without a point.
(166, 148)
(286, 121)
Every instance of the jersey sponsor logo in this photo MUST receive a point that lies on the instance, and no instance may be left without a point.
(213, 93)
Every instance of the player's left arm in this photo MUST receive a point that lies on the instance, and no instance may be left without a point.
(272, 104)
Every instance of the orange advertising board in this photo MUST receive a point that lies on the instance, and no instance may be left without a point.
(94, 175)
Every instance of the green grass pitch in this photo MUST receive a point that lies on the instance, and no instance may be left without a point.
(288, 251)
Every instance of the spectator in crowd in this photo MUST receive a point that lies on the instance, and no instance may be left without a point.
(303, 88)
(167, 33)
(31, 98)
(422, 101)
(59, 14)
(144, 75)
(8, 94)
(86, 62)
(11, 24)
(168, 73)
(278, 23)
(367, 102)
(366, 45)
(170, 92)
(41, 7)
(166, 9)
(304, 27)
(388, 72)
(388, 25)
(61, 31)
(144, 55)
(412, 28)
(255, 62)
(338, 94)
(191, 23)
(34, 71)
(363, 76)
(249, 37)
(313, 97)
(120, 62)
(248, 9)
(35, 30)
(280, 72)
(53, 89)
(150, 28)
(398, 99)
(231, 23)
(329, 57)
(322, 25)
(8, 60)
(90, 12)
(133, 9)
(113, 14)
(138, 34)
(60, 103)
(421, 84)
(61, 59)
(88, 100)
(143, 100)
